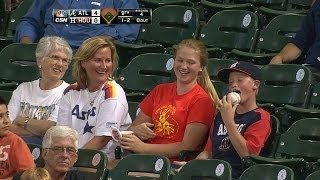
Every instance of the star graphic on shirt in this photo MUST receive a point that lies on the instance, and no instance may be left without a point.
(87, 128)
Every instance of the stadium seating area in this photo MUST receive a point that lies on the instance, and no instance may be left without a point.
(243, 30)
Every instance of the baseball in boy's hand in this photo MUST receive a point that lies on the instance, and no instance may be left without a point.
(235, 98)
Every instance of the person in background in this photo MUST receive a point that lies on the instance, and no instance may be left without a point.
(34, 105)
(38, 22)
(305, 45)
(36, 174)
(238, 130)
(59, 152)
(96, 103)
(176, 116)
(15, 156)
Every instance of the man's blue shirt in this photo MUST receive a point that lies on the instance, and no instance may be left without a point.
(38, 21)
(307, 38)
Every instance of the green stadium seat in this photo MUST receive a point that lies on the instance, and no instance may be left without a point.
(298, 6)
(11, 22)
(68, 75)
(291, 87)
(153, 4)
(215, 65)
(290, 7)
(301, 140)
(221, 88)
(36, 151)
(133, 109)
(312, 110)
(141, 166)
(297, 148)
(23, 54)
(314, 102)
(170, 25)
(278, 88)
(273, 4)
(239, 31)
(15, 16)
(17, 65)
(205, 169)
(314, 176)
(6, 95)
(4, 17)
(267, 172)
(298, 165)
(144, 72)
(211, 7)
(271, 144)
(92, 159)
(272, 39)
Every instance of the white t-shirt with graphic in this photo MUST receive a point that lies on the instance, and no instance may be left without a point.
(94, 113)
(28, 100)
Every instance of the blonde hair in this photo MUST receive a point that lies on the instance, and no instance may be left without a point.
(36, 173)
(203, 77)
(87, 51)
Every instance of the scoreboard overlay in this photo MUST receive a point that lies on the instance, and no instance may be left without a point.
(102, 16)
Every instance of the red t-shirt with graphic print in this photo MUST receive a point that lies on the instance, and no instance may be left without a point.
(171, 113)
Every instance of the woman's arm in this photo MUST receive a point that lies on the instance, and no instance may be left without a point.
(142, 126)
(34, 126)
(195, 135)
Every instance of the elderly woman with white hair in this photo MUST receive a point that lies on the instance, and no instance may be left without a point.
(33, 107)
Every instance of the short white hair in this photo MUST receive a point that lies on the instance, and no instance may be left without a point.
(49, 44)
(60, 132)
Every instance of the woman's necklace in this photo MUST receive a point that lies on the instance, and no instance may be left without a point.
(93, 96)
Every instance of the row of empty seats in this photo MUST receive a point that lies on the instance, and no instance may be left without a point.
(228, 34)
(209, 7)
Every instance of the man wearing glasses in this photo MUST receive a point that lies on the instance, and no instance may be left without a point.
(60, 152)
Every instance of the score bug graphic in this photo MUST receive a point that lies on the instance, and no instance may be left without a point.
(109, 15)
(105, 16)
